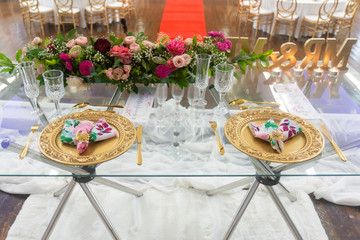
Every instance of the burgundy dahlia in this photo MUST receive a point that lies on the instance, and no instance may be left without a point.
(102, 45)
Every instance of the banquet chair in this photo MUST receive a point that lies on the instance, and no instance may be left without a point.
(242, 9)
(321, 23)
(39, 14)
(25, 14)
(117, 10)
(341, 20)
(96, 11)
(67, 13)
(285, 15)
(259, 16)
(131, 7)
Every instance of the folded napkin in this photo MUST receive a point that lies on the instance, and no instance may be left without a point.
(276, 135)
(80, 133)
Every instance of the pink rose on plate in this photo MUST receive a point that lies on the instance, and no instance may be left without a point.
(175, 47)
(70, 43)
(129, 40)
(127, 68)
(187, 58)
(134, 47)
(82, 41)
(85, 66)
(122, 53)
(148, 44)
(179, 61)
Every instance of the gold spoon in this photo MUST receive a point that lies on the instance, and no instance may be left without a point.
(241, 101)
(23, 152)
(248, 107)
(84, 104)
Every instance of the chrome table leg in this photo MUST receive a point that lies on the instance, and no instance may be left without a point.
(60, 191)
(230, 186)
(291, 196)
(243, 206)
(58, 211)
(99, 210)
(283, 212)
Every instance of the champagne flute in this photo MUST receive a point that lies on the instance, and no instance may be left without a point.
(54, 88)
(31, 87)
(161, 96)
(177, 94)
(202, 76)
(223, 82)
(192, 95)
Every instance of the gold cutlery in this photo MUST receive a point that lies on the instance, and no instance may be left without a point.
(213, 124)
(84, 104)
(336, 147)
(241, 101)
(249, 107)
(23, 152)
(139, 137)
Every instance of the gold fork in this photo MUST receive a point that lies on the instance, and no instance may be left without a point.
(213, 124)
(84, 104)
(23, 152)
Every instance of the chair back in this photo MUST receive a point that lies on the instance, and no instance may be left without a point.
(32, 5)
(64, 6)
(286, 8)
(254, 5)
(97, 5)
(327, 9)
(351, 8)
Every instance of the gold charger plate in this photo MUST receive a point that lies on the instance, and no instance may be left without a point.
(307, 145)
(97, 152)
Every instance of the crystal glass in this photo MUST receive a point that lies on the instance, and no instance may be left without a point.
(202, 75)
(177, 94)
(192, 95)
(223, 82)
(161, 96)
(54, 87)
(31, 87)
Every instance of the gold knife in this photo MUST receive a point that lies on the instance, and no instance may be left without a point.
(139, 137)
(336, 147)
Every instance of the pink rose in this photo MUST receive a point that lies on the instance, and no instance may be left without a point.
(148, 44)
(75, 51)
(117, 72)
(127, 68)
(129, 40)
(175, 47)
(40, 69)
(36, 41)
(171, 65)
(125, 76)
(24, 50)
(134, 47)
(108, 73)
(85, 66)
(179, 61)
(82, 41)
(187, 58)
(70, 43)
(122, 53)
(188, 42)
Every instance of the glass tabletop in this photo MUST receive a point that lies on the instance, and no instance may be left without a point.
(187, 147)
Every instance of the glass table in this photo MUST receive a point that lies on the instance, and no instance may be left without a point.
(335, 101)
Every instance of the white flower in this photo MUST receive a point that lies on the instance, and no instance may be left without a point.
(77, 82)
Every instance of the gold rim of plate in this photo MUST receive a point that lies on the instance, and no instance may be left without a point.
(307, 145)
(97, 152)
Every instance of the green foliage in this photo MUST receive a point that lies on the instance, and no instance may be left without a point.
(245, 59)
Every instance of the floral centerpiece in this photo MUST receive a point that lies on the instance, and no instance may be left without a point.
(124, 62)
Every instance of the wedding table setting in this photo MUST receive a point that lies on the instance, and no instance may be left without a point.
(174, 159)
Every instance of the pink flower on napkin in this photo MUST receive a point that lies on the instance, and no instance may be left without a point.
(83, 126)
(82, 146)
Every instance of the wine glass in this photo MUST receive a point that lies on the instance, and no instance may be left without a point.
(177, 94)
(54, 88)
(223, 82)
(202, 75)
(31, 87)
(192, 95)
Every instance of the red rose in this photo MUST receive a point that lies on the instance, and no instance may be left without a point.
(102, 45)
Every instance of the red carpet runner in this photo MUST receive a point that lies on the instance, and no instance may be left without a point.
(183, 17)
